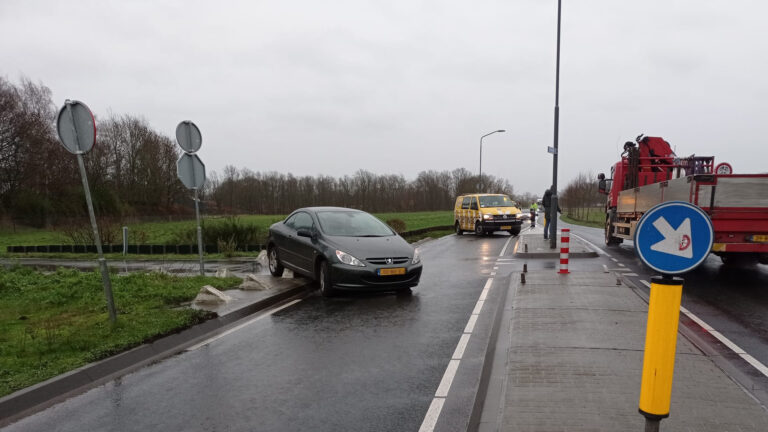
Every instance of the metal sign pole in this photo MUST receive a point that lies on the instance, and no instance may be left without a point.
(199, 234)
(97, 239)
(553, 203)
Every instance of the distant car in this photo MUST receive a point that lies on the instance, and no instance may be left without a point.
(343, 249)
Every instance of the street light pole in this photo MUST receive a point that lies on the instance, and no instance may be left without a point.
(553, 205)
(481, 156)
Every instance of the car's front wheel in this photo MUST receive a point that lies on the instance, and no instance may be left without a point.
(275, 268)
(478, 229)
(324, 280)
(515, 230)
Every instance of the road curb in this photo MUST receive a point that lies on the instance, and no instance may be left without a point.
(25, 402)
(556, 255)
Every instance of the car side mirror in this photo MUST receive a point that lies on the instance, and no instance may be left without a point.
(304, 233)
(601, 176)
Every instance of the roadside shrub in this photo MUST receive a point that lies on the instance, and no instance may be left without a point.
(396, 224)
(230, 232)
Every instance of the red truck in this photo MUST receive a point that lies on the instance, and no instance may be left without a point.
(650, 173)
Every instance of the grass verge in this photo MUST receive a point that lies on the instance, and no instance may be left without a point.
(167, 232)
(591, 217)
(54, 323)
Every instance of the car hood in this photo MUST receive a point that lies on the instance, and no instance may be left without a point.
(372, 247)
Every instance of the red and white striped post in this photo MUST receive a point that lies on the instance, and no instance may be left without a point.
(565, 241)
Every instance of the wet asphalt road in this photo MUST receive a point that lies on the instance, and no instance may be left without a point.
(359, 362)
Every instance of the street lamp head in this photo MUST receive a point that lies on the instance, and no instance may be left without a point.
(501, 130)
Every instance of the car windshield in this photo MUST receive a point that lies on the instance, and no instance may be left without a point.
(496, 201)
(352, 224)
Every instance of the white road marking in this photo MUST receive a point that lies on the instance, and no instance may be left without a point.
(724, 340)
(594, 246)
(493, 273)
(621, 265)
(614, 259)
(504, 263)
(495, 268)
(433, 413)
(247, 323)
(504, 249)
(459, 352)
(506, 259)
(605, 268)
(445, 383)
(478, 307)
(630, 274)
(471, 324)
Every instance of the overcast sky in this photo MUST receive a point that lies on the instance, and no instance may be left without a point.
(329, 87)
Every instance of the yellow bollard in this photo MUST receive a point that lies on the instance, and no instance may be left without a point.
(660, 346)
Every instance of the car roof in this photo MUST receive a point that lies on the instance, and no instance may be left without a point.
(321, 209)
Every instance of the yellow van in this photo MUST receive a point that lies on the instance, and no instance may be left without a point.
(486, 213)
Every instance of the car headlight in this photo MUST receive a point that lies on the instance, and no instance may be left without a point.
(416, 257)
(487, 216)
(348, 259)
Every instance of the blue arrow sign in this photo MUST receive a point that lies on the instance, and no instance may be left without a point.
(674, 237)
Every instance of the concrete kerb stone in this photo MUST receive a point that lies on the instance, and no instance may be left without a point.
(32, 399)
(536, 246)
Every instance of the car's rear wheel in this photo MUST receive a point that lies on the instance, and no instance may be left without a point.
(458, 229)
(275, 268)
(324, 280)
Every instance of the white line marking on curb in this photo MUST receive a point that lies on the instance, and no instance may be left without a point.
(724, 340)
(433, 413)
(247, 323)
(445, 383)
(461, 346)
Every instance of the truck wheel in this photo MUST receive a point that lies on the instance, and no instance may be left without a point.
(458, 229)
(515, 230)
(610, 219)
(478, 229)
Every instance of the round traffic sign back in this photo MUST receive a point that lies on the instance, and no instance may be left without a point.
(674, 237)
(76, 127)
(188, 136)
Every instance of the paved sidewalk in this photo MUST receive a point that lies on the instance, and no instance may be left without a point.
(574, 361)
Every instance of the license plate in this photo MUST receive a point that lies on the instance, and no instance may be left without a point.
(391, 271)
(760, 238)
(506, 227)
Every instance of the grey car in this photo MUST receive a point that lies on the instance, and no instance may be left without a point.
(343, 249)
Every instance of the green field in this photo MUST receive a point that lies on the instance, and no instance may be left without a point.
(591, 217)
(169, 232)
(53, 323)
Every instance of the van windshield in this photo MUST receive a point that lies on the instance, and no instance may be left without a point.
(496, 201)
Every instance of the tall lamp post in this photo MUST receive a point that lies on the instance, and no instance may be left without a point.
(481, 155)
(553, 206)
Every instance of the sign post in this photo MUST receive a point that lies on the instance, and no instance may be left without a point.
(191, 172)
(672, 238)
(77, 133)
